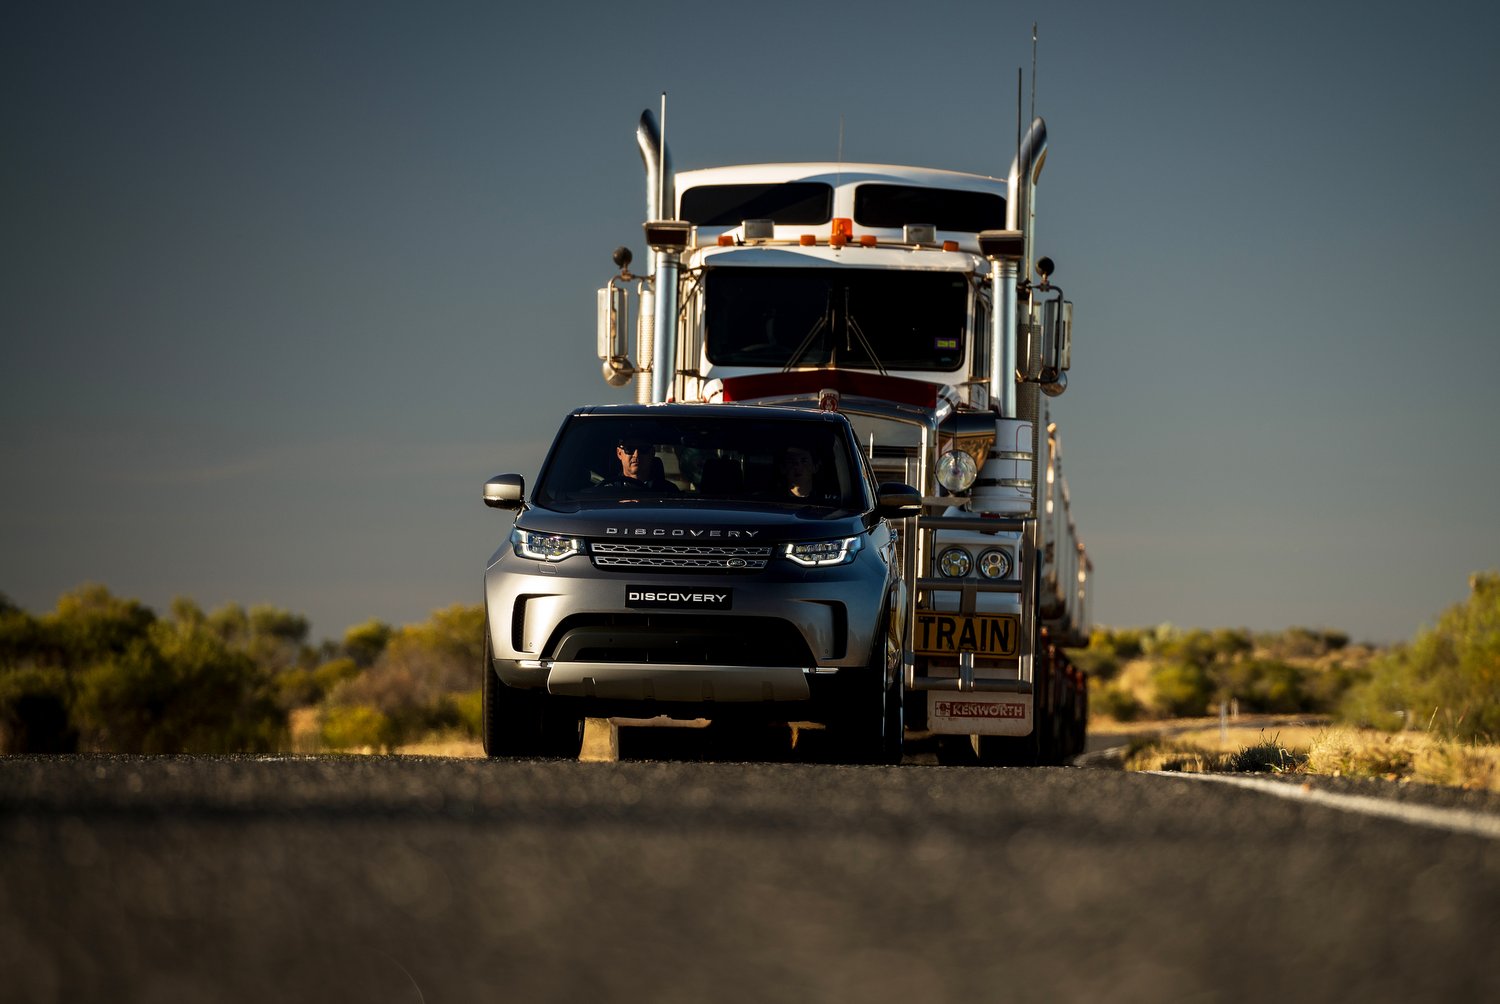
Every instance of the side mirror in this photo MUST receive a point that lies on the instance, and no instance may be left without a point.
(614, 321)
(505, 491)
(1057, 335)
(613, 317)
(898, 501)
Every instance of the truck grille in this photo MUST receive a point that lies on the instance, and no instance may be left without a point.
(679, 557)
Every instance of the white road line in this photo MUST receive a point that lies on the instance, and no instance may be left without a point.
(1455, 820)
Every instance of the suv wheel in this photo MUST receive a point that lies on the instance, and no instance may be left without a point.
(516, 722)
(868, 724)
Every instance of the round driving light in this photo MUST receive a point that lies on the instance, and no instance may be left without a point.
(994, 564)
(954, 562)
(956, 471)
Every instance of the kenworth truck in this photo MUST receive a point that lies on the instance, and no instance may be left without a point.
(908, 301)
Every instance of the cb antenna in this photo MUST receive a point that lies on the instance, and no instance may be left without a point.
(661, 159)
(1020, 92)
(1033, 71)
(839, 174)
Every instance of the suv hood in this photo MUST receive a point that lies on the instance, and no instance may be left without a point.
(694, 522)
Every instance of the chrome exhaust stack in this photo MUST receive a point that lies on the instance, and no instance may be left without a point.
(655, 345)
(1009, 252)
(657, 161)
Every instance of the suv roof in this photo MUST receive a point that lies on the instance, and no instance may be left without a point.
(750, 411)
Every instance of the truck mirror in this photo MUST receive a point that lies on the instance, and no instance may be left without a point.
(1030, 334)
(1065, 339)
(613, 315)
(505, 491)
(898, 501)
(1056, 344)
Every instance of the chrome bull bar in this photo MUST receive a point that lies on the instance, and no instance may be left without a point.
(965, 680)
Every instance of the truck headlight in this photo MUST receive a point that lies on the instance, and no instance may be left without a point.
(995, 564)
(818, 553)
(956, 471)
(544, 546)
(955, 563)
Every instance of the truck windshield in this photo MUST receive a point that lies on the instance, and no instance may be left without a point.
(837, 317)
(685, 459)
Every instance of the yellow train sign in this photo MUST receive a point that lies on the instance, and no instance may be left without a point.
(983, 634)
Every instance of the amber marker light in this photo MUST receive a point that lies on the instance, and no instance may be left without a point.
(867, 240)
(838, 240)
(726, 240)
(950, 245)
(807, 240)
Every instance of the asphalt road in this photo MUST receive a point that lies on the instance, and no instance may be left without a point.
(408, 879)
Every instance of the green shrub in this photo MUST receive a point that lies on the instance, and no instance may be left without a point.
(358, 726)
(35, 715)
(179, 689)
(1180, 689)
(469, 707)
(1113, 701)
(332, 673)
(1447, 678)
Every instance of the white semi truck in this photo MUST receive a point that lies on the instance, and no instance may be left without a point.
(911, 301)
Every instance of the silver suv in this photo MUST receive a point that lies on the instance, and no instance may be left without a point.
(727, 562)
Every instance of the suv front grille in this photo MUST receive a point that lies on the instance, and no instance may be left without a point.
(679, 557)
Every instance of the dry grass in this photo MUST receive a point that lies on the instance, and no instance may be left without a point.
(1335, 752)
(450, 746)
(1406, 756)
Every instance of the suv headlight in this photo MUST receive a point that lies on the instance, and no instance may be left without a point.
(995, 564)
(544, 546)
(817, 553)
(955, 563)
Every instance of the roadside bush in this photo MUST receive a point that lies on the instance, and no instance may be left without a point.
(420, 675)
(358, 726)
(1181, 689)
(35, 714)
(180, 689)
(1267, 686)
(469, 707)
(1113, 701)
(332, 673)
(366, 641)
(1447, 678)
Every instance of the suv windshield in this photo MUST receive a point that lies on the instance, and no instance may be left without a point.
(861, 318)
(684, 459)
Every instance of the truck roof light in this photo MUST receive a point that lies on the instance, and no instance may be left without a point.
(838, 240)
(828, 399)
(726, 240)
(919, 233)
(807, 240)
(867, 240)
(759, 230)
(950, 245)
(843, 226)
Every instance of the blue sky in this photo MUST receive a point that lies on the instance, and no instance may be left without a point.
(283, 283)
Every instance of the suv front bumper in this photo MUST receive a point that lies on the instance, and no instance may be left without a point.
(566, 627)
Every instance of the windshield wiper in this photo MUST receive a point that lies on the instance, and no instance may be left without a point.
(807, 342)
(851, 325)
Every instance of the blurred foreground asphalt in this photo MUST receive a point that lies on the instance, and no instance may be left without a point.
(374, 879)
